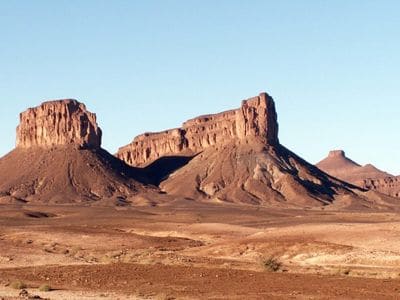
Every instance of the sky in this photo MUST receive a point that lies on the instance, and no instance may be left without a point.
(332, 67)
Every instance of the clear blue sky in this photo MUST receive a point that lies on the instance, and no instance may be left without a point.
(333, 67)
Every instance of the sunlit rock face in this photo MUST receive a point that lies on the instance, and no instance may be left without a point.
(59, 122)
(255, 118)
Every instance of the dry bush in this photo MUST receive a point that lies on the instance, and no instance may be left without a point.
(346, 271)
(45, 288)
(272, 264)
(18, 285)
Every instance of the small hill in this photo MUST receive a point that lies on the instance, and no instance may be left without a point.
(367, 177)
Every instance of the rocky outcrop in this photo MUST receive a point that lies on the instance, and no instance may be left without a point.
(60, 122)
(255, 118)
(336, 153)
(388, 185)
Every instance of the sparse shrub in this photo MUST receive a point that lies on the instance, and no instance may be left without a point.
(272, 264)
(45, 288)
(18, 285)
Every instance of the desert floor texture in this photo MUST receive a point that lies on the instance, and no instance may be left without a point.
(192, 250)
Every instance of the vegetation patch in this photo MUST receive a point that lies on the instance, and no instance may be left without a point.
(45, 288)
(18, 285)
(272, 264)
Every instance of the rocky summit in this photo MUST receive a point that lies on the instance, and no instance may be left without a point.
(60, 122)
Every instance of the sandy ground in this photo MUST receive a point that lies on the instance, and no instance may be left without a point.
(196, 251)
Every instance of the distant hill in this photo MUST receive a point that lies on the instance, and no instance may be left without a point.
(368, 176)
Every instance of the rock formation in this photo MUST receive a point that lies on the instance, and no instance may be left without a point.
(58, 122)
(58, 159)
(235, 156)
(367, 177)
(256, 117)
(388, 185)
(338, 165)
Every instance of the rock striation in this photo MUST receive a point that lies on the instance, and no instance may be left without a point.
(255, 118)
(59, 122)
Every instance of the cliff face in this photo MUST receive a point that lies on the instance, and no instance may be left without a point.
(255, 118)
(60, 122)
(388, 185)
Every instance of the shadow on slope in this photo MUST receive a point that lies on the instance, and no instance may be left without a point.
(160, 169)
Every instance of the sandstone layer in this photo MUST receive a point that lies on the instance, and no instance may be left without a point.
(59, 122)
(58, 159)
(255, 118)
(369, 177)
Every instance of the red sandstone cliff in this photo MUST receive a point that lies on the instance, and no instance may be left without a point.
(255, 118)
(59, 122)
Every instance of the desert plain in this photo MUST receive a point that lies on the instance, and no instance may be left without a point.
(187, 250)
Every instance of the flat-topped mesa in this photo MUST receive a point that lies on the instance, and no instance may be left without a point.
(255, 118)
(337, 153)
(58, 122)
